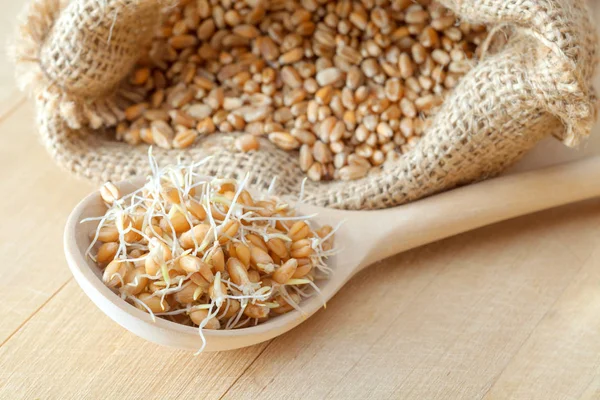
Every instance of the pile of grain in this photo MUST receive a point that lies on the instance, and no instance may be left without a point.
(350, 84)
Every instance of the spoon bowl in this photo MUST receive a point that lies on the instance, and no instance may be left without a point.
(365, 238)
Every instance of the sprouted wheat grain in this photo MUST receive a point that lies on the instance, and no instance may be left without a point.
(202, 251)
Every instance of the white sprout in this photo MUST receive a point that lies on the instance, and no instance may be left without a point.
(165, 193)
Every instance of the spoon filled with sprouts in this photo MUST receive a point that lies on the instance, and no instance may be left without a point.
(205, 263)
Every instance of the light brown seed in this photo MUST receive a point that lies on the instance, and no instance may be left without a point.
(135, 111)
(284, 140)
(349, 54)
(242, 253)
(114, 273)
(306, 157)
(427, 102)
(140, 76)
(247, 31)
(199, 111)
(286, 271)
(440, 57)
(291, 77)
(359, 20)
(453, 33)
(378, 157)
(417, 16)
(109, 193)
(338, 131)
(190, 264)
(277, 247)
(184, 139)
(261, 260)
(236, 121)
(351, 172)
(291, 56)
(304, 136)
(183, 41)
(178, 221)
(385, 130)
(154, 303)
(322, 153)
(253, 114)
(303, 268)
(106, 252)
(315, 172)
(206, 29)
(365, 150)
(254, 276)
(206, 126)
(324, 95)
(298, 231)
(231, 307)
(135, 283)
(188, 294)
(199, 317)
(285, 307)
(429, 38)
(162, 134)
(237, 272)
(231, 103)
(257, 241)
(246, 143)
(157, 114)
(301, 248)
(198, 232)
(329, 76)
(442, 23)
(354, 77)
(393, 89)
(108, 233)
(406, 127)
(228, 231)
(180, 97)
(327, 128)
(216, 258)
(408, 108)
(256, 311)
(370, 67)
(196, 209)
(418, 53)
(459, 67)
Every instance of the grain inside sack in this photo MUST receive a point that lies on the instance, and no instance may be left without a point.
(348, 84)
(533, 80)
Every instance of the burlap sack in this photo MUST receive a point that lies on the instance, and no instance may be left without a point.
(74, 55)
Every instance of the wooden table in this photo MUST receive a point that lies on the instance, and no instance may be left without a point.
(508, 311)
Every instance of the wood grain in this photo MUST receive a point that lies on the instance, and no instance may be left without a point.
(70, 350)
(36, 199)
(511, 311)
(9, 95)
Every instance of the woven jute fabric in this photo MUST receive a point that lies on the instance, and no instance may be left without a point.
(74, 56)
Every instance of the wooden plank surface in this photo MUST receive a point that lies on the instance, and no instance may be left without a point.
(9, 95)
(36, 198)
(510, 311)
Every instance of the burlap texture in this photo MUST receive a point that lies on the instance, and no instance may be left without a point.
(537, 84)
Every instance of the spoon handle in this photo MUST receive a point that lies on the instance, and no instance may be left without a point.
(401, 228)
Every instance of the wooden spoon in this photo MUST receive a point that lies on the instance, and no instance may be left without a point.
(366, 237)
